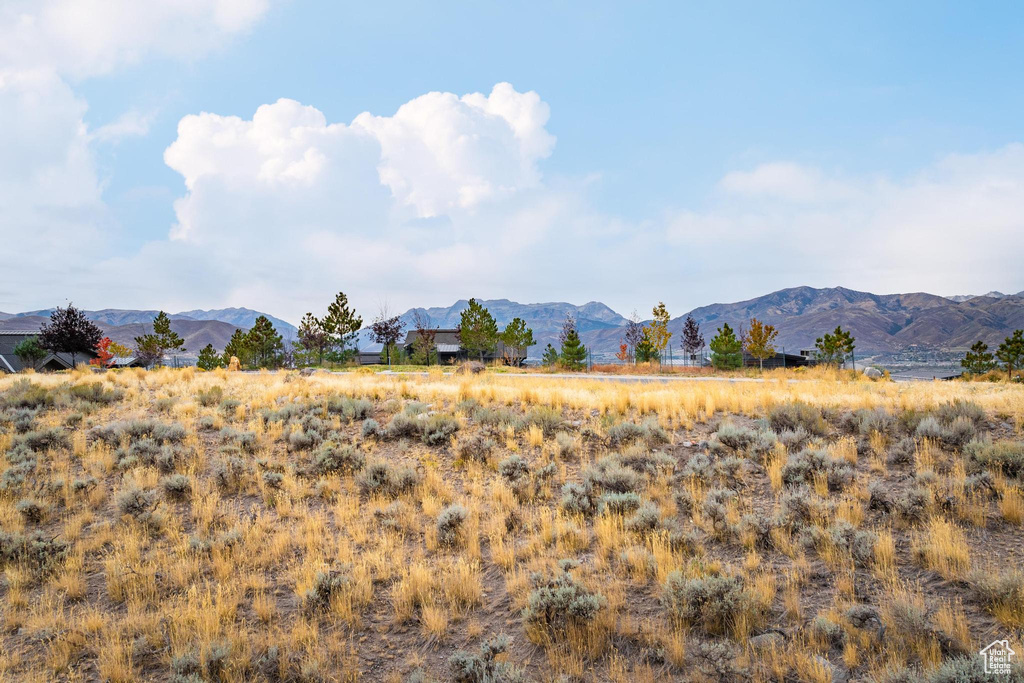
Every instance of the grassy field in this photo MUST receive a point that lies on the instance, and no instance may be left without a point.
(187, 526)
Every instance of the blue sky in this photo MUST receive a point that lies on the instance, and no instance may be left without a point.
(693, 145)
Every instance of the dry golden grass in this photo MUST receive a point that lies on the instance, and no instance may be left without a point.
(269, 562)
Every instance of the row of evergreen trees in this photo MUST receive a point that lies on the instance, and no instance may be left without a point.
(1010, 354)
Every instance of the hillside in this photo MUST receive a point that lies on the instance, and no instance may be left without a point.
(237, 317)
(196, 333)
(544, 318)
(880, 322)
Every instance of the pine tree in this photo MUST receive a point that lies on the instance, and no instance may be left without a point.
(30, 352)
(835, 348)
(517, 338)
(645, 351)
(169, 340)
(760, 341)
(693, 340)
(550, 357)
(69, 331)
(574, 353)
(238, 347)
(478, 332)
(208, 358)
(341, 324)
(978, 360)
(265, 344)
(147, 350)
(726, 349)
(1011, 352)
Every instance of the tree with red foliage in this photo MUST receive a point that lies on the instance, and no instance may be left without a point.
(623, 353)
(104, 356)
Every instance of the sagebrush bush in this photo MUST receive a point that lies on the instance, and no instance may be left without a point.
(371, 428)
(477, 448)
(609, 474)
(483, 666)
(404, 426)
(644, 520)
(798, 415)
(711, 603)
(177, 486)
(803, 466)
(210, 397)
(331, 458)
(384, 479)
(36, 550)
(326, 584)
(135, 502)
(578, 499)
(1002, 456)
(559, 600)
(450, 524)
(513, 468)
(619, 503)
(439, 430)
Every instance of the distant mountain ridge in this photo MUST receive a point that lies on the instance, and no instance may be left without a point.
(545, 319)
(881, 323)
(237, 317)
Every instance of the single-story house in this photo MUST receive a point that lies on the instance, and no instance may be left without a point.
(779, 360)
(450, 350)
(10, 363)
(448, 346)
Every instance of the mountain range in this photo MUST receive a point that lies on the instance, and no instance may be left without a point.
(881, 323)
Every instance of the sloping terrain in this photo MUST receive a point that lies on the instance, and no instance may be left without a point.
(196, 333)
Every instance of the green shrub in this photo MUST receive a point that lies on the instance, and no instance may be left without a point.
(1001, 456)
(802, 467)
(383, 479)
(450, 523)
(609, 474)
(371, 428)
(37, 550)
(711, 603)
(211, 396)
(439, 430)
(177, 486)
(513, 468)
(477, 448)
(332, 459)
(404, 426)
(95, 392)
(619, 503)
(317, 598)
(484, 667)
(25, 394)
(797, 414)
(31, 510)
(558, 601)
(578, 499)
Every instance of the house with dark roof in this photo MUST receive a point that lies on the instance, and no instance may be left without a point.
(10, 363)
(450, 350)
